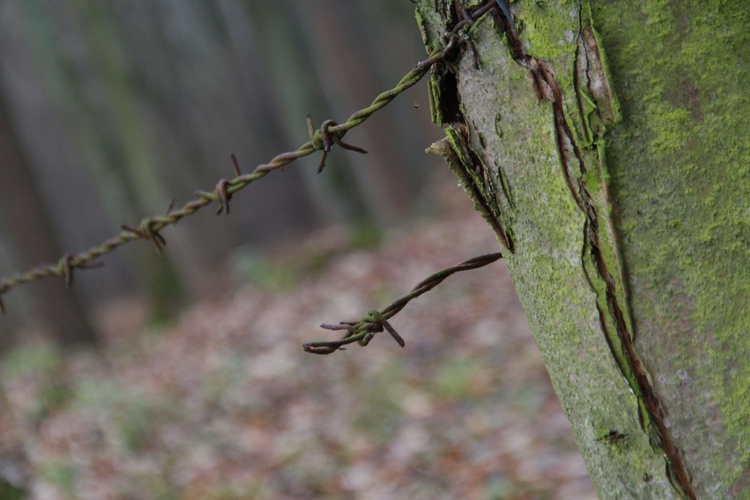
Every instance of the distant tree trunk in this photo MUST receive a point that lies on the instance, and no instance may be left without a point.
(606, 142)
(23, 213)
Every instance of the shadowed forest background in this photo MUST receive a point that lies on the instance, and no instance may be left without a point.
(198, 386)
(113, 109)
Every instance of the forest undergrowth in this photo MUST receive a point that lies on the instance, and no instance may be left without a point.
(224, 403)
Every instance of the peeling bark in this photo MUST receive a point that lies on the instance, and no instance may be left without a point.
(561, 127)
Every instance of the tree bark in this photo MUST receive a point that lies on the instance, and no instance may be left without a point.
(604, 142)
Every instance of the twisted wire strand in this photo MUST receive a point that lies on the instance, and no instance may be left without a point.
(149, 227)
(154, 224)
(375, 321)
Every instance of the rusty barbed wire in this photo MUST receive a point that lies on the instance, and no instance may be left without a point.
(150, 227)
(374, 321)
(321, 139)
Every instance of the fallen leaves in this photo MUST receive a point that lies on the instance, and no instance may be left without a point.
(225, 403)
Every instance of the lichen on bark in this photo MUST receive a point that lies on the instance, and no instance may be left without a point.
(574, 217)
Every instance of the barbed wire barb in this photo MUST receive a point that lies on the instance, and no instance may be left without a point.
(321, 139)
(374, 321)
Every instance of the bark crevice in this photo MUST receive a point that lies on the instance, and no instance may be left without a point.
(546, 87)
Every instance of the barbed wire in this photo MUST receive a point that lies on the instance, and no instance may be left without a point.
(322, 139)
(374, 321)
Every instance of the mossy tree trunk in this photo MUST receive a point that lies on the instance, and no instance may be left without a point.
(606, 142)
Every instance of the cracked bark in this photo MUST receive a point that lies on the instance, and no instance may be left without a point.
(643, 328)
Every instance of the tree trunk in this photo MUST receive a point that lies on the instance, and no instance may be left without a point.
(605, 142)
(59, 310)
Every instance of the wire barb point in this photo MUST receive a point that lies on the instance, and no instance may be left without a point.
(148, 231)
(328, 139)
(224, 196)
(236, 166)
(333, 132)
(66, 267)
(170, 207)
(364, 330)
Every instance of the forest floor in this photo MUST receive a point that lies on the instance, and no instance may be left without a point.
(223, 402)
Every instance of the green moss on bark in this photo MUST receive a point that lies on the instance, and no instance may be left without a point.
(671, 192)
(680, 163)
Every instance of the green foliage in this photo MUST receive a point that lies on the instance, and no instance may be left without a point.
(250, 265)
(41, 363)
(31, 359)
(456, 379)
(61, 474)
(381, 411)
(365, 234)
(9, 491)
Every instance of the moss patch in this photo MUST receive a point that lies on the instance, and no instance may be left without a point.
(679, 164)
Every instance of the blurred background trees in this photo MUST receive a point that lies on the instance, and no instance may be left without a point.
(110, 109)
